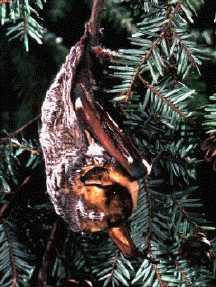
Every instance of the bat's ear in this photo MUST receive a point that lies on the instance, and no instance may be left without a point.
(97, 176)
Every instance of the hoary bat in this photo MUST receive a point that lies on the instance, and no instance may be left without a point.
(92, 169)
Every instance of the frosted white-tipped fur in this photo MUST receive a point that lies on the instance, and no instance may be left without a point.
(130, 159)
(78, 103)
(95, 150)
(147, 165)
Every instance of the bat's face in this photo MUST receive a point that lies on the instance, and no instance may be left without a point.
(105, 197)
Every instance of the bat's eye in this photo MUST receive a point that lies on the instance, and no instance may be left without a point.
(93, 173)
(96, 176)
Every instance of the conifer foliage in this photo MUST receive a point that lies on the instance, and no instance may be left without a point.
(154, 92)
(24, 19)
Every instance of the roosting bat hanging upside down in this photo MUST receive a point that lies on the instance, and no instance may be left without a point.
(92, 169)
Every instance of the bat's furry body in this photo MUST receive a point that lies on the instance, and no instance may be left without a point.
(83, 149)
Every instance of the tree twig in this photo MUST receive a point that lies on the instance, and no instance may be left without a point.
(94, 20)
(162, 98)
(11, 256)
(19, 130)
(6, 205)
(49, 255)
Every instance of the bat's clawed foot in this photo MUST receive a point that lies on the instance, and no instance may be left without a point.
(143, 255)
(149, 257)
